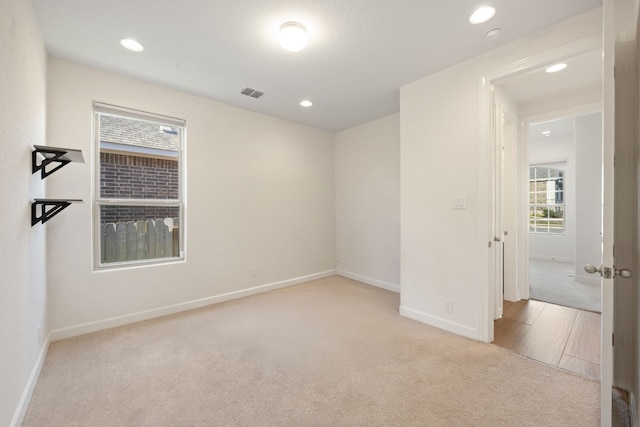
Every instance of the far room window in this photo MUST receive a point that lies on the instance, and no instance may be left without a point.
(546, 200)
(139, 187)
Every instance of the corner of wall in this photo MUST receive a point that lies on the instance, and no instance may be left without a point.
(32, 381)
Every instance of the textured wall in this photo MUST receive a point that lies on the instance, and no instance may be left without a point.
(259, 203)
(22, 255)
(368, 202)
(444, 250)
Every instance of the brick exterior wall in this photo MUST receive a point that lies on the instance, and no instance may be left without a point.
(125, 176)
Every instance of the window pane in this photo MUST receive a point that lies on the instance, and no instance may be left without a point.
(554, 173)
(542, 173)
(546, 200)
(139, 185)
(128, 176)
(130, 233)
(138, 159)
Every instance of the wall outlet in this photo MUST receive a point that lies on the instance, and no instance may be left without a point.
(460, 202)
(448, 306)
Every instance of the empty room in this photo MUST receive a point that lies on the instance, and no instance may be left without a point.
(297, 213)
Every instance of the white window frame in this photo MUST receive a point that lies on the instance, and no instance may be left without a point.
(99, 201)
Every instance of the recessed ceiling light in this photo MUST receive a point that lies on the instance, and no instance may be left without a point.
(293, 36)
(555, 68)
(546, 132)
(132, 44)
(482, 14)
(306, 103)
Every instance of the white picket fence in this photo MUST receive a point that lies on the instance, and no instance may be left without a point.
(136, 240)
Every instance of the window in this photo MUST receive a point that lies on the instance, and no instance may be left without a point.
(546, 200)
(139, 187)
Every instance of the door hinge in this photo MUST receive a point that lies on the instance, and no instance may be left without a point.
(613, 336)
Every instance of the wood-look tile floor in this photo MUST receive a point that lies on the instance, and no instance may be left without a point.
(560, 336)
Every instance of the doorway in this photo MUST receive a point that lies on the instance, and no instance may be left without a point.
(565, 218)
(541, 212)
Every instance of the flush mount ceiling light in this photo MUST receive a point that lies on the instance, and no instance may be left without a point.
(546, 132)
(555, 68)
(482, 14)
(293, 36)
(132, 45)
(306, 103)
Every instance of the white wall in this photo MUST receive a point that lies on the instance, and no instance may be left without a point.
(260, 193)
(557, 152)
(22, 248)
(367, 164)
(588, 193)
(444, 251)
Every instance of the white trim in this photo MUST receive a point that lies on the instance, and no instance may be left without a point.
(564, 113)
(485, 205)
(553, 258)
(438, 322)
(25, 399)
(127, 113)
(369, 281)
(576, 47)
(99, 325)
(586, 279)
(548, 162)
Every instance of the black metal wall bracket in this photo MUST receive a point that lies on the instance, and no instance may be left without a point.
(60, 156)
(48, 208)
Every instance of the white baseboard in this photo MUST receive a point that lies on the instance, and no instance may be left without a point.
(588, 279)
(99, 325)
(440, 323)
(23, 404)
(552, 258)
(369, 281)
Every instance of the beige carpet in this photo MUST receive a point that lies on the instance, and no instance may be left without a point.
(332, 352)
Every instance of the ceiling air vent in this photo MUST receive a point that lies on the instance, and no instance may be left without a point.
(249, 91)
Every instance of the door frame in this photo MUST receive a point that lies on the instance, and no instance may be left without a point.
(486, 178)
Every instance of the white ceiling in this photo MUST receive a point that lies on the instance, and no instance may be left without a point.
(360, 51)
(582, 71)
(560, 129)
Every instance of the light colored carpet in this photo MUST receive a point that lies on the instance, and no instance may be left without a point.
(555, 282)
(332, 352)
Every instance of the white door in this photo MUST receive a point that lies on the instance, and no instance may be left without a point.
(608, 126)
(498, 172)
(617, 131)
(504, 166)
